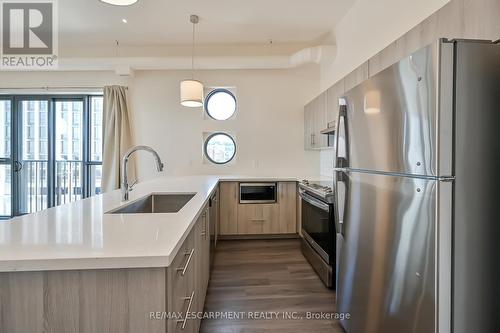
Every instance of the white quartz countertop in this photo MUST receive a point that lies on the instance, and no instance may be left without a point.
(80, 235)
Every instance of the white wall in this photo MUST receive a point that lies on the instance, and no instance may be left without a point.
(269, 125)
(369, 27)
(326, 158)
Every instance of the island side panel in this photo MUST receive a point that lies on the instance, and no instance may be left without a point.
(21, 302)
(85, 301)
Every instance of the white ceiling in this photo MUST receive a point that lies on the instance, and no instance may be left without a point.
(166, 22)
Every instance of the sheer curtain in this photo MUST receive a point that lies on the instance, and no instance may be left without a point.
(116, 134)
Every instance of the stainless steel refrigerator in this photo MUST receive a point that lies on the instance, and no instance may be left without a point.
(417, 181)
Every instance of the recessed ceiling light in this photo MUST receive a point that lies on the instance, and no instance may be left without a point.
(120, 2)
(124, 20)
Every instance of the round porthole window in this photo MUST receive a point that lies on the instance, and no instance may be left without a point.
(220, 104)
(220, 148)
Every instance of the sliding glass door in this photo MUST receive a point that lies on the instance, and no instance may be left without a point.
(5, 157)
(69, 149)
(50, 151)
(32, 162)
(95, 145)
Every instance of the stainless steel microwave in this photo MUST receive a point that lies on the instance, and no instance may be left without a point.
(258, 193)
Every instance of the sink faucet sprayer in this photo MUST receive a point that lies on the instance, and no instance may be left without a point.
(126, 188)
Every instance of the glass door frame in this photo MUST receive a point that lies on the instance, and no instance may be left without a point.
(87, 148)
(84, 155)
(10, 160)
(17, 149)
(17, 142)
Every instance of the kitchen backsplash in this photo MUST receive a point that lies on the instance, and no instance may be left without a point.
(326, 162)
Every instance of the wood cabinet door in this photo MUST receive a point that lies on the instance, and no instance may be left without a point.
(228, 220)
(356, 77)
(258, 219)
(287, 201)
(182, 285)
(216, 216)
(309, 125)
(202, 249)
(204, 254)
(314, 123)
(320, 121)
(315, 120)
(333, 94)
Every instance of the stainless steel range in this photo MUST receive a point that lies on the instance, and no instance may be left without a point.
(321, 189)
(318, 228)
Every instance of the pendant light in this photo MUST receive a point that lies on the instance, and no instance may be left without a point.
(192, 90)
(120, 2)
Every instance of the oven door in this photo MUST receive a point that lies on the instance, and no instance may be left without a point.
(318, 227)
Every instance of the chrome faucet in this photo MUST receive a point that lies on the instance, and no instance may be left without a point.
(125, 187)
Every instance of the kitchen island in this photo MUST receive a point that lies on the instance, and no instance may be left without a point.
(77, 268)
(80, 267)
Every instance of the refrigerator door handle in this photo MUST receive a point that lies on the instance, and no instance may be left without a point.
(341, 163)
(341, 188)
(341, 137)
(340, 185)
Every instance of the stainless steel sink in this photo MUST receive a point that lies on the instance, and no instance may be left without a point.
(155, 203)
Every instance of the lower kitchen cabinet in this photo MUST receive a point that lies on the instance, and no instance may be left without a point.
(228, 203)
(123, 300)
(83, 301)
(202, 267)
(188, 278)
(181, 291)
(258, 219)
(287, 200)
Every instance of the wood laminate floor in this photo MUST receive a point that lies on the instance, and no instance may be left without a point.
(263, 277)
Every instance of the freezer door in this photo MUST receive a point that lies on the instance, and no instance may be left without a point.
(396, 122)
(388, 257)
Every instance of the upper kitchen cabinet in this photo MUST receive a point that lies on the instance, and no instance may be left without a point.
(333, 94)
(309, 125)
(315, 120)
(356, 77)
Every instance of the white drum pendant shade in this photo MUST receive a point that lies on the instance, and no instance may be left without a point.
(191, 93)
(120, 2)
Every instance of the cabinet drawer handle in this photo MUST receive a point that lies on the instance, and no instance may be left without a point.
(258, 220)
(188, 310)
(184, 269)
(205, 217)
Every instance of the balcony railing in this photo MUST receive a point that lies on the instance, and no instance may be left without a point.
(33, 186)
(69, 181)
(68, 184)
